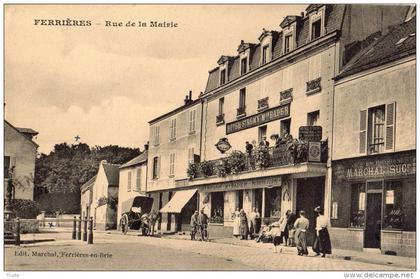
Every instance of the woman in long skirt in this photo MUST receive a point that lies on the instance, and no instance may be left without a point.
(243, 224)
(322, 243)
(236, 223)
(301, 225)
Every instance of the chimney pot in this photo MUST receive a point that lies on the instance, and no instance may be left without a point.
(190, 95)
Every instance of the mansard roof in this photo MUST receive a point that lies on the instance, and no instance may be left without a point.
(333, 21)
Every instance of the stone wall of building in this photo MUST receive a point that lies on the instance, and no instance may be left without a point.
(400, 242)
(345, 238)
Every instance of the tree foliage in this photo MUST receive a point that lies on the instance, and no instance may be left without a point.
(68, 167)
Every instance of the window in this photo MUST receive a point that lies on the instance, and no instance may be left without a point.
(223, 77)
(313, 118)
(266, 54)
(244, 64)
(262, 133)
(157, 132)
(172, 164)
(129, 182)
(288, 43)
(138, 180)
(173, 129)
(272, 202)
(358, 203)
(156, 168)
(242, 102)
(393, 208)
(316, 29)
(221, 106)
(376, 129)
(285, 126)
(6, 166)
(192, 121)
(191, 155)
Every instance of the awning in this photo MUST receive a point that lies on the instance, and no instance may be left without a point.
(178, 201)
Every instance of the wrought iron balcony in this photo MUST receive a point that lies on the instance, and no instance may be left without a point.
(220, 119)
(261, 157)
(240, 112)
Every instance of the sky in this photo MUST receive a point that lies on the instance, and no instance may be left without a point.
(105, 83)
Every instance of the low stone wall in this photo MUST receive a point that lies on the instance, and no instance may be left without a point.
(26, 226)
(346, 238)
(220, 231)
(400, 242)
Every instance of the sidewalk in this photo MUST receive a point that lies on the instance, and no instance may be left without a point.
(348, 255)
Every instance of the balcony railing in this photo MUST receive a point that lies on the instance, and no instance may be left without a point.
(220, 119)
(261, 157)
(240, 111)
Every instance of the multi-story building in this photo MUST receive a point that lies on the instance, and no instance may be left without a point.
(133, 179)
(374, 148)
(277, 92)
(174, 143)
(19, 160)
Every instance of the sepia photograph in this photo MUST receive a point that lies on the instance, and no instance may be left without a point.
(210, 137)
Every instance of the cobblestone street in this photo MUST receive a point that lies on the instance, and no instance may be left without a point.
(132, 252)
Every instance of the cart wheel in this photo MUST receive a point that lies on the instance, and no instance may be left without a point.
(124, 224)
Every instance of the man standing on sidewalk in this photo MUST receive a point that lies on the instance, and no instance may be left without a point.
(194, 224)
(203, 220)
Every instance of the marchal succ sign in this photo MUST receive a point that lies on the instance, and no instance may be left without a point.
(223, 145)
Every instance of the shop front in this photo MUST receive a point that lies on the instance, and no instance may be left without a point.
(373, 203)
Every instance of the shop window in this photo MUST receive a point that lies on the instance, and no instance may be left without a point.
(217, 207)
(273, 202)
(358, 204)
(313, 118)
(393, 207)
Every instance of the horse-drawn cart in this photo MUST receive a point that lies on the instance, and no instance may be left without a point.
(137, 215)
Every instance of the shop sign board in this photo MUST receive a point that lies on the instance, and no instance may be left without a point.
(380, 166)
(258, 119)
(310, 133)
(242, 184)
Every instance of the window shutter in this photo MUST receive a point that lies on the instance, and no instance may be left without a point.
(362, 140)
(158, 167)
(390, 126)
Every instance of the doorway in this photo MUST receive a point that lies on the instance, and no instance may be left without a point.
(373, 220)
(310, 194)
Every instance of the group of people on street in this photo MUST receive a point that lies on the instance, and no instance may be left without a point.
(199, 223)
(244, 226)
(288, 230)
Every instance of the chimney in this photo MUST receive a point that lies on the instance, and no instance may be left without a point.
(146, 146)
(190, 96)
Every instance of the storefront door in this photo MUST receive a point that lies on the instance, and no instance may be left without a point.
(373, 220)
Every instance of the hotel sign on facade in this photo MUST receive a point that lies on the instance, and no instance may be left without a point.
(243, 184)
(258, 119)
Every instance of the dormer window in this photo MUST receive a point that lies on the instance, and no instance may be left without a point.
(244, 64)
(316, 29)
(222, 76)
(265, 54)
(288, 39)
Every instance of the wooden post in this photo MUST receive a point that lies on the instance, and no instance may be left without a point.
(79, 229)
(85, 220)
(73, 234)
(17, 233)
(90, 236)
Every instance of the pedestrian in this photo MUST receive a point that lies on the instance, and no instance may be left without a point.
(301, 225)
(194, 224)
(243, 224)
(275, 233)
(291, 218)
(283, 228)
(203, 221)
(252, 222)
(322, 244)
(236, 223)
